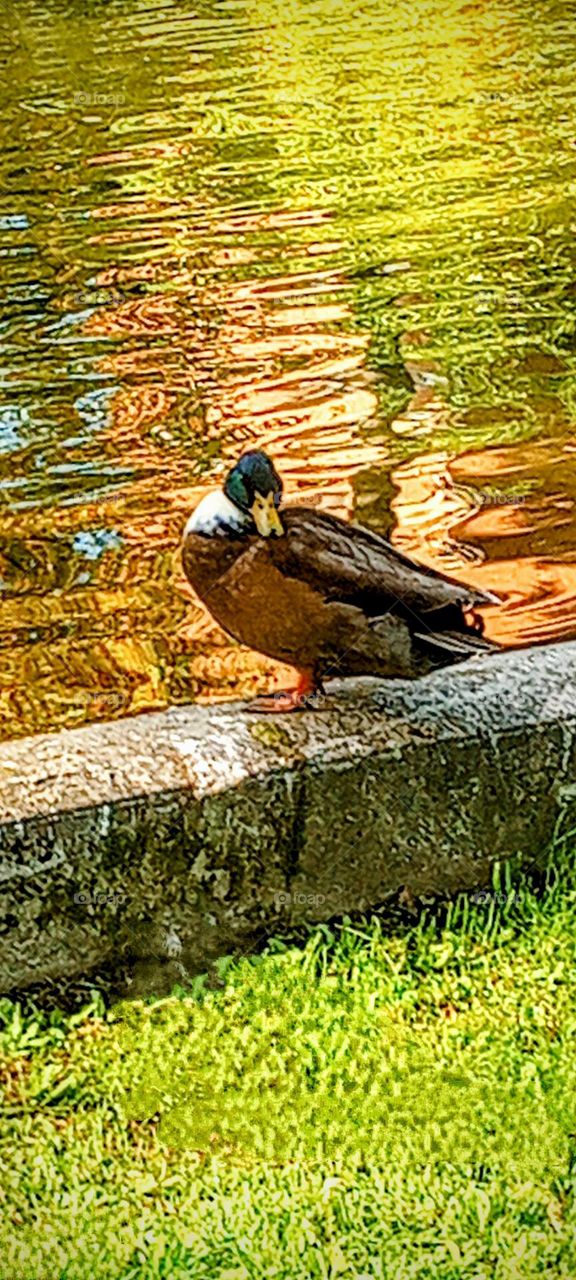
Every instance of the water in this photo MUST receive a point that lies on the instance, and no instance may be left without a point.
(346, 237)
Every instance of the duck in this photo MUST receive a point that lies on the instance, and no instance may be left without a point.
(327, 597)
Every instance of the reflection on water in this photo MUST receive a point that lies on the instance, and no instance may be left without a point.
(348, 240)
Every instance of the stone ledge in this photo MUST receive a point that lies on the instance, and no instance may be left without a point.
(173, 836)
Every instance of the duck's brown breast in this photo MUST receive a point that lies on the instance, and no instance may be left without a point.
(254, 602)
(206, 559)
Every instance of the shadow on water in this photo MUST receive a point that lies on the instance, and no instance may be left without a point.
(348, 240)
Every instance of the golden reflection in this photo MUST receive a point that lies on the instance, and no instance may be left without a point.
(478, 517)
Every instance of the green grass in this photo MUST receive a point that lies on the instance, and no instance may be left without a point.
(360, 1105)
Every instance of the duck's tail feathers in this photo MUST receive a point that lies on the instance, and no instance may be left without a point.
(454, 646)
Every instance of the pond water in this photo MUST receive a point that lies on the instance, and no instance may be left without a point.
(346, 234)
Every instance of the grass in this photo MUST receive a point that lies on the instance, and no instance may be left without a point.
(360, 1105)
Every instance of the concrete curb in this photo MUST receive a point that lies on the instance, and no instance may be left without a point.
(171, 837)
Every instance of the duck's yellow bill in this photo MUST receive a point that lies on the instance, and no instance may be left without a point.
(265, 516)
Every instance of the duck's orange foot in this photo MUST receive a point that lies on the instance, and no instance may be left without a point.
(302, 698)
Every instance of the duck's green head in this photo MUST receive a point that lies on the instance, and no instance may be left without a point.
(255, 487)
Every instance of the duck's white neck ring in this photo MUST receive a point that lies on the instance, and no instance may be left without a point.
(216, 516)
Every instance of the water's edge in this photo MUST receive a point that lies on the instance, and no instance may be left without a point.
(160, 841)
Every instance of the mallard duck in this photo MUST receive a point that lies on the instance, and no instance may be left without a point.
(326, 597)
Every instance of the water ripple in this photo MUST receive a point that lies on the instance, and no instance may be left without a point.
(350, 241)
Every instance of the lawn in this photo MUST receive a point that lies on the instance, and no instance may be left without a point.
(369, 1101)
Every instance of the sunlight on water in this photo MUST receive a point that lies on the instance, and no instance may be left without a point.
(348, 238)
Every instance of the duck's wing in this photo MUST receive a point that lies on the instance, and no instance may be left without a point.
(348, 563)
